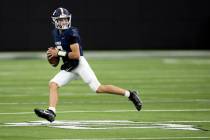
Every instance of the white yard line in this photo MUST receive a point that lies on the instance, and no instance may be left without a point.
(145, 138)
(114, 102)
(113, 111)
(113, 54)
(179, 110)
(106, 124)
(178, 61)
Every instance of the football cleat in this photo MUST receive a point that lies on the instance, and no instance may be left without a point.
(46, 114)
(135, 99)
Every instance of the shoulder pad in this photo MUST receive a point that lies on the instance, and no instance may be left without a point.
(73, 32)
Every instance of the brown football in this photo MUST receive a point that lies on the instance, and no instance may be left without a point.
(54, 61)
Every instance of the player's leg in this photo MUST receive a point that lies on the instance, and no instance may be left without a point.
(132, 95)
(53, 95)
(61, 79)
(89, 77)
(87, 74)
(112, 90)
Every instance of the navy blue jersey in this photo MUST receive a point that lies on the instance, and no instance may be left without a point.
(63, 40)
(66, 38)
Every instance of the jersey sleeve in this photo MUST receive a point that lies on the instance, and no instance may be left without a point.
(55, 37)
(74, 36)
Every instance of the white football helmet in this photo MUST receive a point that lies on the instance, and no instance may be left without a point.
(61, 18)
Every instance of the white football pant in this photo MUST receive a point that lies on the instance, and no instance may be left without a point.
(83, 70)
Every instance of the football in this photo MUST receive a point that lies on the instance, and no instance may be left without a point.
(54, 61)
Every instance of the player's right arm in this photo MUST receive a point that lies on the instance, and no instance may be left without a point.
(74, 54)
(75, 51)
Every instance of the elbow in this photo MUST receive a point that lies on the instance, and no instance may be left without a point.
(77, 55)
(74, 56)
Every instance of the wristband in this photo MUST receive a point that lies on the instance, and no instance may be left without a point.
(62, 53)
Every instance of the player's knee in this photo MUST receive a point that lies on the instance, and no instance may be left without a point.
(53, 85)
(95, 86)
(100, 89)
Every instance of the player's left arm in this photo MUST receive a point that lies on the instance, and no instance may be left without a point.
(74, 54)
(52, 52)
(75, 51)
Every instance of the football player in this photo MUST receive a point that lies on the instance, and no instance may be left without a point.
(68, 47)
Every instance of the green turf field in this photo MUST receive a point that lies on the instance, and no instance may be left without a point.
(175, 92)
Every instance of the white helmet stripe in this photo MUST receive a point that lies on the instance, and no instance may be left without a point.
(62, 13)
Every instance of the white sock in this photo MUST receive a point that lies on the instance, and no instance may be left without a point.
(52, 108)
(127, 93)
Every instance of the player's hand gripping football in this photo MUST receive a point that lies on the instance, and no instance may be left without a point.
(52, 52)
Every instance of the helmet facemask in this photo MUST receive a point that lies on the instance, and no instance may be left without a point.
(62, 22)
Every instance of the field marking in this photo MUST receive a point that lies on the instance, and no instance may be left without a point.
(112, 111)
(179, 110)
(145, 138)
(113, 54)
(113, 102)
(154, 138)
(178, 61)
(105, 124)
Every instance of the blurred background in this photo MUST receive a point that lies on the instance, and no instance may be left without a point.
(109, 24)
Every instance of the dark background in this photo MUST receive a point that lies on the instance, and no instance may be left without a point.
(25, 25)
